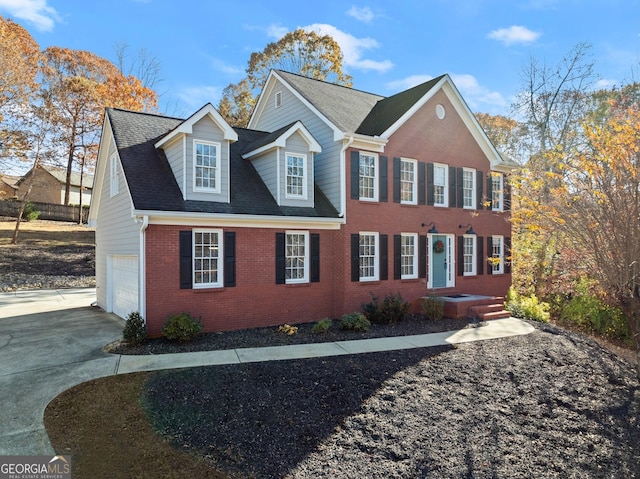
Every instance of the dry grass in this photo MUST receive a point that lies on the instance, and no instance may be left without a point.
(102, 426)
(46, 233)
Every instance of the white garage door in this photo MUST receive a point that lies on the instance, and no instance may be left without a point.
(124, 285)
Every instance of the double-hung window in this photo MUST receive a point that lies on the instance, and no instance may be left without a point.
(497, 254)
(296, 176)
(440, 185)
(207, 259)
(368, 177)
(469, 255)
(408, 183)
(496, 191)
(468, 188)
(297, 257)
(409, 256)
(206, 165)
(369, 256)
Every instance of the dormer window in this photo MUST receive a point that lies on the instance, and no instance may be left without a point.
(206, 175)
(296, 176)
(278, 99)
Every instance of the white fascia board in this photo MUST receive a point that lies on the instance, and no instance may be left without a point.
(239, 221)
(364, 142)
(106, 137)
(186, 127)
(281, 141)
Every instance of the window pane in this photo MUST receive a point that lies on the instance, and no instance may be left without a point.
(407, 181)
(367, 176)
(367, 256)
(206, 166)
(295, 261)
(206, 254)
(295, 175)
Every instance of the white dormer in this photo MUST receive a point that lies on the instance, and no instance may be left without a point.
(198, 151)
(284, 160)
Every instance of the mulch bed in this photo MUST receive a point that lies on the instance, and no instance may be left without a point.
(549, 404)
(271, 336)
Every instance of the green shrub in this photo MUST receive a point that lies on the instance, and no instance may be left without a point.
(526, 307)
(321, 326)
(590, 313)
(30, 213)
(135, 331)
(182, 327)
(432, 307)
(355, 322)
(390, 310)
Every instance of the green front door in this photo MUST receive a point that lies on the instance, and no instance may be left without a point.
(439, 266)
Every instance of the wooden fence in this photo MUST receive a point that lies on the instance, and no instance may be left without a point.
(48, 211)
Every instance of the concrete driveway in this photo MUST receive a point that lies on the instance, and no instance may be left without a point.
(50, 341)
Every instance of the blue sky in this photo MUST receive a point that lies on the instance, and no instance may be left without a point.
(202, 46)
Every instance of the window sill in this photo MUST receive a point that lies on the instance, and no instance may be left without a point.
(208, 289)
(297, 285)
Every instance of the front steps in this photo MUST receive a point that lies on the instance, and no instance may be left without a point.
(488, 311)
(459, 305)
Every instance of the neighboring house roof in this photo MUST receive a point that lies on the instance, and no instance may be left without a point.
(9, 180)
(153, 186)
(60, 174)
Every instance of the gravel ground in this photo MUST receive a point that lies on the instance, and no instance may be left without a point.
(552, 404)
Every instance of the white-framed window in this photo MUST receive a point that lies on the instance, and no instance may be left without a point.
(207, 258)
(469, 255)
(296, 175)
(408, 183)
(496, 191)
(206, 166)
(440, 185)
(368, 176)
(114, 177)
(409, 256)
(468, 188)
(278, 99)
(497, 254)
(369, 256)
(297, 257)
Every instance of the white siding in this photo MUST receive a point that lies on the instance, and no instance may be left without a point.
(326, 163)
(116, 231)
(175, 155)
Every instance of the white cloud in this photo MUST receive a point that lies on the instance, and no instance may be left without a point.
(197, 96)
(277, 31)
(352, 48)
(363, 14)
(408, 82)
(514, 34)
(477, 95)
(35, 12)
(225, 68)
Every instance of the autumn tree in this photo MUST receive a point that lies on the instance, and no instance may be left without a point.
(19, 57)
(596, 207)
(76, 87)
(303, 52)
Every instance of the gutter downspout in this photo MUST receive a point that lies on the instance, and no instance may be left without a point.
(142, 275)
(343, 180)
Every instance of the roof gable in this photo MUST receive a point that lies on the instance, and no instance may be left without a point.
(186, 127)
(278, 139)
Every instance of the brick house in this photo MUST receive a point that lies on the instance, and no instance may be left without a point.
(330, 195)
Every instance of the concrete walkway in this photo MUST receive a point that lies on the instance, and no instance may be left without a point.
(52, 340)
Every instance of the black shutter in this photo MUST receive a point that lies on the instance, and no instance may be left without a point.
(479, 186)
(397, 256)
(430, 198)
(384, 257)
(489, 254)
(355, 257)
(422, 200)
(384, 179)
(480, 254)
(460, 255)
(460, 190)
(396, 180)
(422, 257)
(490, 191)
(280, 258)
(185, 260)
(355, 175)
(229, 258)
(315, 258)
(506, 196)
(507, 255)
(452, 187)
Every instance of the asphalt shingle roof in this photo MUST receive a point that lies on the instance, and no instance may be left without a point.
(153, 186)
